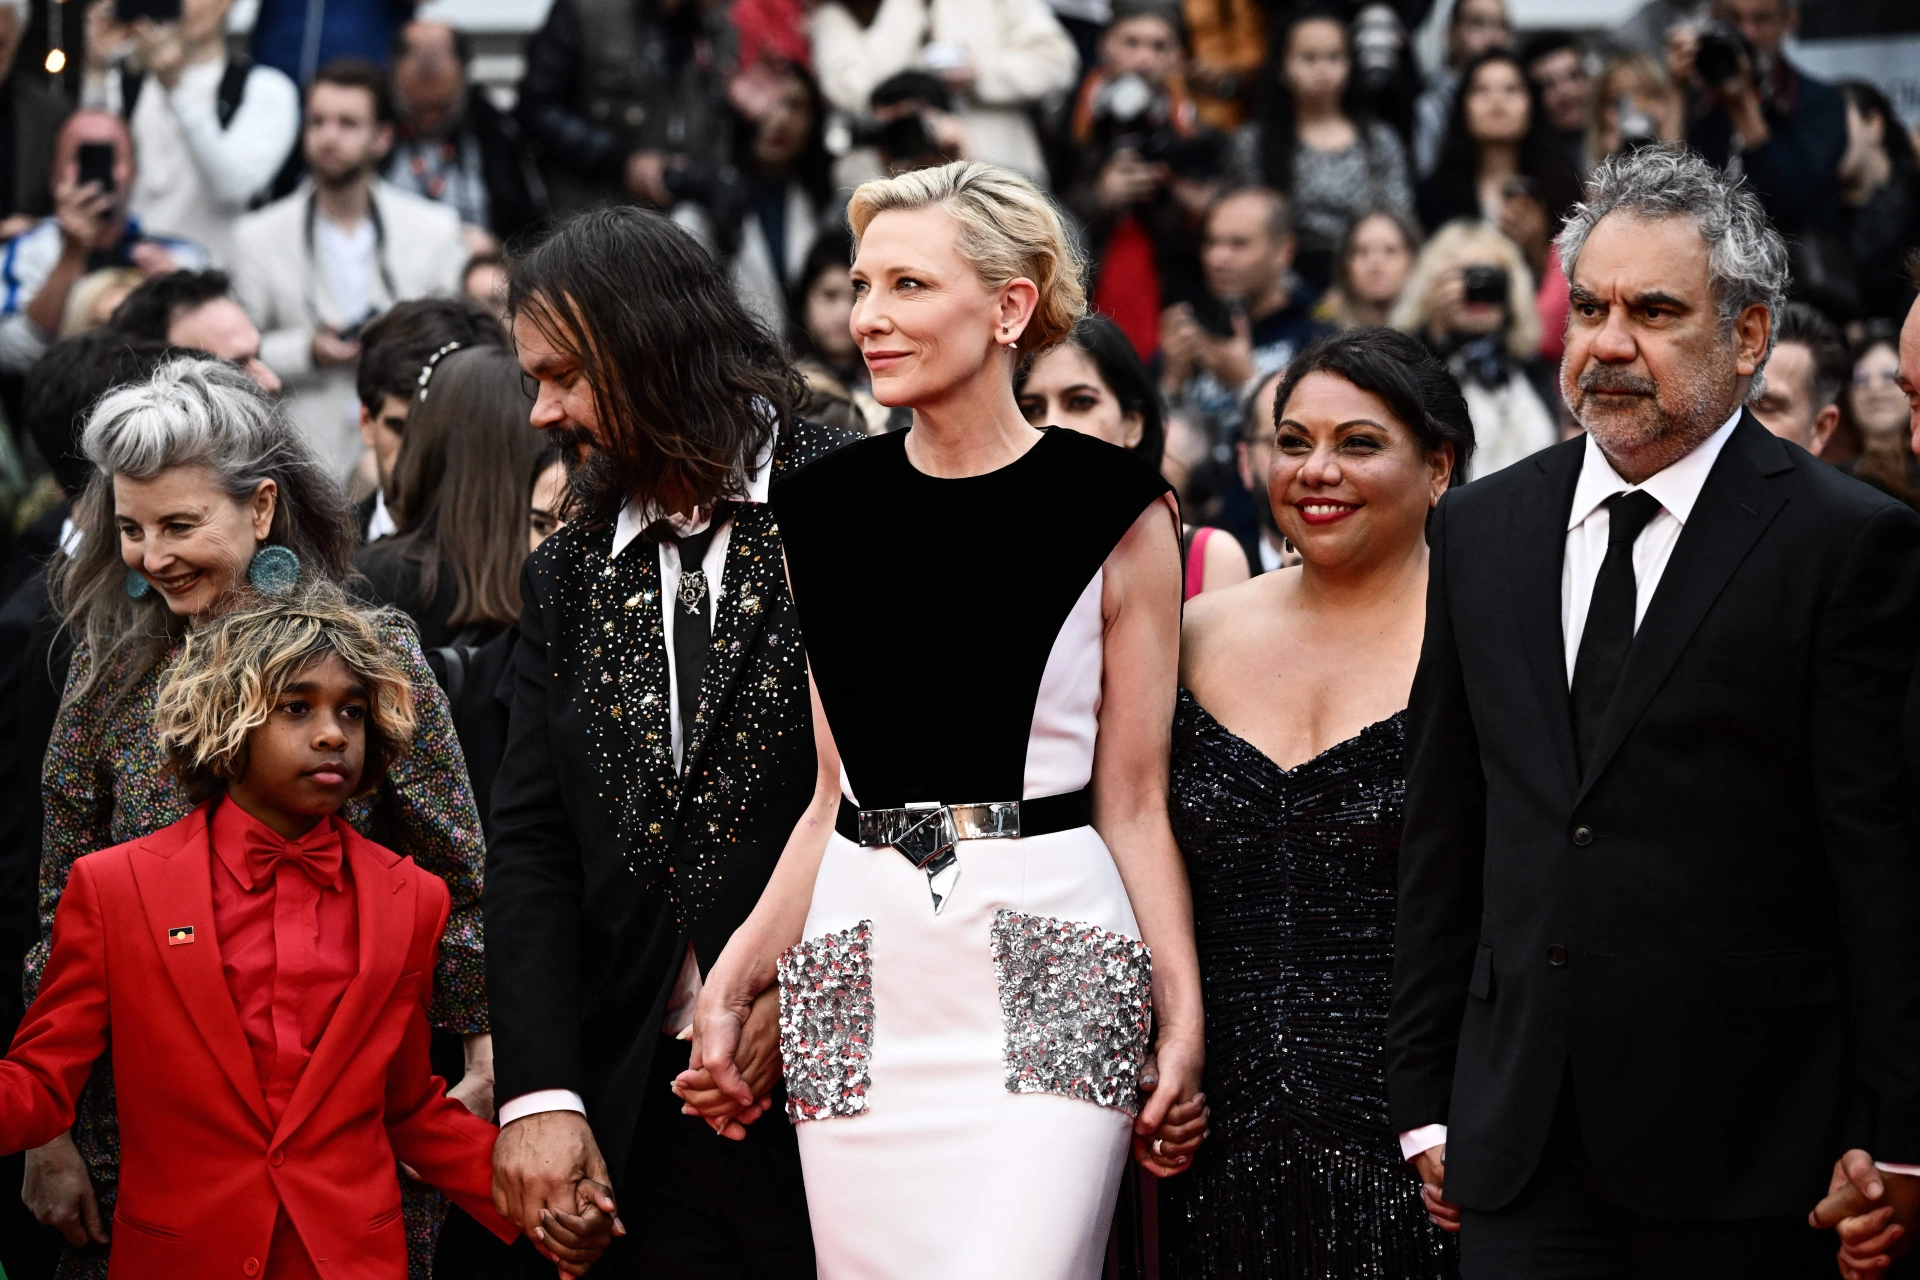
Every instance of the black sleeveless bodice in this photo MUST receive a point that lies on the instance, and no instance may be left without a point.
(1293, 874)
(929, 606)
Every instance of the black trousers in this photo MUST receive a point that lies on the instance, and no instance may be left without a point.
(1564, 1226)
(701, 1207)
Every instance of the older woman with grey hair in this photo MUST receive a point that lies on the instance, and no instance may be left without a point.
(204, 494)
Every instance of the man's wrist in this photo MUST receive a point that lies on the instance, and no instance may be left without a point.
(540, 1100)
(1425, 1138)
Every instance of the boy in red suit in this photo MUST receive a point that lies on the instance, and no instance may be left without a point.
(261, 973)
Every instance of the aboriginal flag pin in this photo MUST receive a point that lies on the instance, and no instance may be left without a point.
(181, 936)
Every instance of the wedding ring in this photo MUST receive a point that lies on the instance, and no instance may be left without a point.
(1157, 1145)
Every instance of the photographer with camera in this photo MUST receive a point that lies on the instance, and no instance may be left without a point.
(93, 170)
(1146, 169)
(314, 268)
(1470, 300)
(617, 91)
(1255, 316)
(760, 209)
(998, 58)
(211, 127)
(1786, 129)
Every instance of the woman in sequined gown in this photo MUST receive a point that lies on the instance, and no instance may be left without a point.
(1287, 785)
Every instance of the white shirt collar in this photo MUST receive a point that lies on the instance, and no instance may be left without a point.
(1677, 486)
(636, 516)
(380, 523)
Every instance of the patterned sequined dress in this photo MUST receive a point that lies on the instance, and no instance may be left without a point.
(1293, 888)
(963, 1082)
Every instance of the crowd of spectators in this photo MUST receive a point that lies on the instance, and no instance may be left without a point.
(1243, 176)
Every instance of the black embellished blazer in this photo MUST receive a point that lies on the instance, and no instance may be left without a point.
(603, 864)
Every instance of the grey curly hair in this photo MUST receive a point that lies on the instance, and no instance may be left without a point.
(191, 413)
(1746, 257)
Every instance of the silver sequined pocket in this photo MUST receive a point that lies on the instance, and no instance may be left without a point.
(826, 1023)
(1077, 1004)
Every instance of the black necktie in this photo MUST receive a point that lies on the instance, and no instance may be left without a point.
(692, 627)
(1609, 630)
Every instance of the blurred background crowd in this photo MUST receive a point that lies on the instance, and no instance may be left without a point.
(326, 192)
(1245, 174)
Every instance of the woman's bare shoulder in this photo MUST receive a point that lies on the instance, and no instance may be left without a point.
(1219, 623)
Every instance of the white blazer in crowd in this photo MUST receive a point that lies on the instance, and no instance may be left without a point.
(416, 250)
(1018, 50)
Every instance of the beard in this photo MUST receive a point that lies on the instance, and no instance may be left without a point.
(1627, 413)
(594, 482)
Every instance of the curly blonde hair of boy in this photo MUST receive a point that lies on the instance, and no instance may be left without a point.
(1008, 229)
(234, 669)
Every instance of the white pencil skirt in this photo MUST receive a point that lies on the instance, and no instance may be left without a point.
(964, 1084)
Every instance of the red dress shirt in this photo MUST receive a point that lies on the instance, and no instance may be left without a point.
(289, 935)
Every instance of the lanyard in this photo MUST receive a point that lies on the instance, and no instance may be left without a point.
(379, 262)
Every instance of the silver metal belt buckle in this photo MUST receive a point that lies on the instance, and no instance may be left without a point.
(926, 836)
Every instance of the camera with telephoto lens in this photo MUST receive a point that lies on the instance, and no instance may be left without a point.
(1129, 114)
(1719, 52)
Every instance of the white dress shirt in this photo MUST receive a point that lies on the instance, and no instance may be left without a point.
(635, 517)
(1588, 523)
(1677, 487)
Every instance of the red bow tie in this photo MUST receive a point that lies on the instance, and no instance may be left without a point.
(317, 853)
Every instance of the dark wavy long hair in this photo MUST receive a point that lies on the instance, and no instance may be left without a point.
(1279, 130)
(687, 385)
(1543, 160)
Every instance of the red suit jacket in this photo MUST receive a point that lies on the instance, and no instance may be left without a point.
(203, 1170)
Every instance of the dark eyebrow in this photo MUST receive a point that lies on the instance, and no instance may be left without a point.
(1340, 426)
(1660, 298)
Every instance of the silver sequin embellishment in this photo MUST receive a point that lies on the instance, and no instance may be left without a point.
(826, 1023)
(1076, 1001)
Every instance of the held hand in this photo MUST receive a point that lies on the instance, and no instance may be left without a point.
(1873, 1213)
(1432, 1166)
(81, 210)
(1173, 1120)
(576, 1240)
(58, 1192)
(1523, 220)
(1127, 180)
(547, 1163)
(757, 1059)
(647, 178)
(720, 1040)
(1180, 338)
(1230, 359)
(330, 348)
(160, 49)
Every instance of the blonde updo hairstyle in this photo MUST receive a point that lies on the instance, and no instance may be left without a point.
(1008, 229)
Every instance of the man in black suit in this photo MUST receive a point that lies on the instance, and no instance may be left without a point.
(660, 751)
(1658, 959)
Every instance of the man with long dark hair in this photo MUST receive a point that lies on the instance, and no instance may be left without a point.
(660, 753)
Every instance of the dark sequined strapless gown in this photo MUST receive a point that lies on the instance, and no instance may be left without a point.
(1293, 889)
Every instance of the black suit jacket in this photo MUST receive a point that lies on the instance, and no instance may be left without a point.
(603, 864)
(1718, 926)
